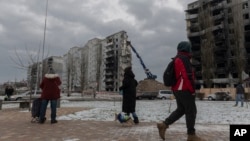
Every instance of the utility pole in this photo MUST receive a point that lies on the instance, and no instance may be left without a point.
(44, 37)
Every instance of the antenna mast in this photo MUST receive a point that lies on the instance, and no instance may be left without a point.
(44, 37)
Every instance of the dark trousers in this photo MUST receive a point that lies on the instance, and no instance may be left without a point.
(44, 104)
(185, 105)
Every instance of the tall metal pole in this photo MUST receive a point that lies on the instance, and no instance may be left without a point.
(44, 37)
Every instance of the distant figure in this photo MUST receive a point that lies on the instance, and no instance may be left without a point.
(184, 92)
(128, 87)
(240, 91)
(9, 91)
(50, 92)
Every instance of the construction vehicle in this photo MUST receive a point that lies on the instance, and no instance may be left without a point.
(147, 71)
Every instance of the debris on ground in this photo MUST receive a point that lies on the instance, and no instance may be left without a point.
(150, 85)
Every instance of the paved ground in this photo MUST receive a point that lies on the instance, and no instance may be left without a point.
(15, 125)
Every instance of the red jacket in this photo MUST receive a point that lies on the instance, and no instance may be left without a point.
(50, 87)
(183, 82)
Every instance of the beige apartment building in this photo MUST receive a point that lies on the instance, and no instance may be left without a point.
(219, 31)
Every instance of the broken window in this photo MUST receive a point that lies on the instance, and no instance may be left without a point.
(231, 31)
(230, 20)
(245, 6)
(109, 41)
(246, 16)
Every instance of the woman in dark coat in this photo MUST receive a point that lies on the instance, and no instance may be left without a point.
(50, 92)
(129, 93)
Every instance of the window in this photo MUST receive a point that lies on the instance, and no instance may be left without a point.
(245, 5)
(246, 16)
(232, 42)
(231, 31)
(230, 20)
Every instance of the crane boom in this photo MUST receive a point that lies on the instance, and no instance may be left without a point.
(147, 71)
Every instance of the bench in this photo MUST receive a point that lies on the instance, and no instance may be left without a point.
(22, 104)
(25, 103)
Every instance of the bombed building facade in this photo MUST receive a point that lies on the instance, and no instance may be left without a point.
(99, 65)
(219, 31)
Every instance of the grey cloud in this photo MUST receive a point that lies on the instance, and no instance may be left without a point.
(73, 23)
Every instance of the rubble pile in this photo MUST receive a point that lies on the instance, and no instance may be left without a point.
(150, 85)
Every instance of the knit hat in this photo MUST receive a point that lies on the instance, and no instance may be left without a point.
(184, 46)
(51, 71)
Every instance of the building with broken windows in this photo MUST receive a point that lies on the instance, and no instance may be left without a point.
(98, 65)
(219, 31)
(37, 70)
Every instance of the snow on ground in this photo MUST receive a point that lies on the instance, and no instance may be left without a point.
(208, 112)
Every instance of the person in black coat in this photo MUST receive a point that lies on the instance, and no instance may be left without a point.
(9, 92)
(240, 91)
(129, 93)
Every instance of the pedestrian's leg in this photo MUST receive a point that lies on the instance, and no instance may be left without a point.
(8, 96)
(53, 111)
(135, 117)
(242, 100)
(190, 112)
(237, 99)
(43, 108)
(179, 112)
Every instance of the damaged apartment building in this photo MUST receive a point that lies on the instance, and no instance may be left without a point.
(219, 31)
(36, 71)
(98, 65)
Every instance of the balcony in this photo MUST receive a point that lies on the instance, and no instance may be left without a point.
(109, 44)
(196, 53)
(110, 56)
(218, 6)
(192, 34)
(191, 16)
(109, 50)
(109, 86)
(108, 73)
(109, 68)
(109, 62)
(221, 71)
(218, 27)
(221, 48)
(109, 80)
(219, 17)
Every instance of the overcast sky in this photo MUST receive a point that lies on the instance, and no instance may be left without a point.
(154, 27)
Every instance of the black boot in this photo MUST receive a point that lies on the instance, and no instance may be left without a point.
(53, 121)
(42, 120)
(136, 120)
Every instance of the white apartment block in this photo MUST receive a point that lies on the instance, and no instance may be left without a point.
(37, 71)
(71, 78)
(98, 65)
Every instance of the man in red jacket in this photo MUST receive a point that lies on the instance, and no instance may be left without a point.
(184, 92)
(50, 92)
